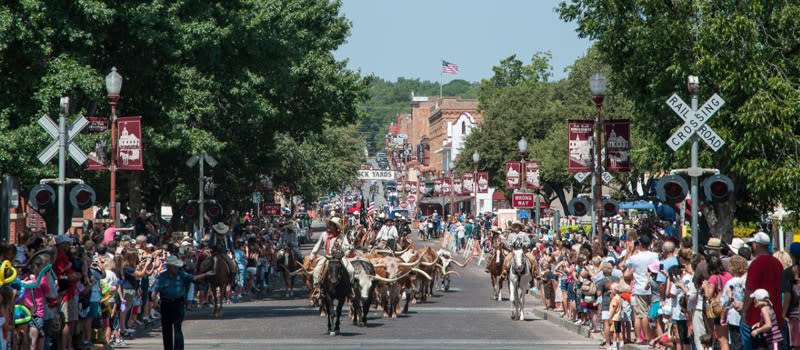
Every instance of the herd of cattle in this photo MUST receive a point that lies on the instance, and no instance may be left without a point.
(365, 277)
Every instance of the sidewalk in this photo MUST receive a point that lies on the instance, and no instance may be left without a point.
(584, 331)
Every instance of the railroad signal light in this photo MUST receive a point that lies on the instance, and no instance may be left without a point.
(610, 207)
(42, 196)
(82, 196)
(672, 189)
(191, 210)
(578, 206)
(214, 210)
(717, 188)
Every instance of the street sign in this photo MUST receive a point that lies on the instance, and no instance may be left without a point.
(523, 200)
(411, 198)
(52, 129)
(581, 176)
(376, 175)
(404, 204)
(256, 197)
(605, 176)
(695, 122)
(272, 209)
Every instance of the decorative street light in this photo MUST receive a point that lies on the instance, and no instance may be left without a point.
(475, 158)
(113, 87)
(597, 83)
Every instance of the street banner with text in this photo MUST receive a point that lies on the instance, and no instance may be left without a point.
(457, 186)
(129, 143)
(581, 142)
(468, 183)
(437, 187)
(97, 159)
(96, 125)
(512, 175)
(483, 182)
(411, 187)
(532, 181)
(618, 145)
(447, 186)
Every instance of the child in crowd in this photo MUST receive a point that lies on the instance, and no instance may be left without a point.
(766, 333)
(615, 312)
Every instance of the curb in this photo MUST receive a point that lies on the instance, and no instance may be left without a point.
(584, 331)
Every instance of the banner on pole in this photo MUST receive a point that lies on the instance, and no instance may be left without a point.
(411, 187)
(468, 183)
(447, 186)
(97, 159)
(437, 187)
(581, 142)
(512, 175)
(96, 125)
(618, 145)
(483, 182)
(458, 186)
(129, 144)
(532, 181)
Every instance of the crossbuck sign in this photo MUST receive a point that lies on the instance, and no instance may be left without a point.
(695, 123)
(52, 129)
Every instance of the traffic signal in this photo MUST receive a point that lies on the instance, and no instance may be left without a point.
(610, 207)
(214, 211)
(82, 196)
(42, 196)
(672, 189)
(717, 188)
(578, 206)
(191, 210)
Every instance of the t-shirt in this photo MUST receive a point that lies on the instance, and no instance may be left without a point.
(639, 263)
(616, 303)
(667, 263)
(791, 287)
(604, 286)
(734, 291)
(765, 273)
(677, 294)
(39, 294)
(129, 281)
(62, 261)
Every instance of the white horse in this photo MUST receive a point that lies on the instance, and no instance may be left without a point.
(519, 277)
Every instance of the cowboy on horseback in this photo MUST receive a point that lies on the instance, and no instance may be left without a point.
(388, 233)
(496, 242)
(328, 242)
(517, 238)
(288, 237)
(221, 242)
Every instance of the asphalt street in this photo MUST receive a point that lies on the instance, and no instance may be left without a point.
(463, 318)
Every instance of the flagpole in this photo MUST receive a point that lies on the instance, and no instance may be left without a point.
(441, 78)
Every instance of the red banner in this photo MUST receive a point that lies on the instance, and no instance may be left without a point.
(532, 181)
(523, 200)
(420, 188)
(96, 125)
(468, 183)
(458, 188)
(580, 145)
(512, 175)
(272, 209)
(129, 143)
(437, 187)
(447, 186)
(98, 159)
(411, 187)
(618, 145)
(483, 182)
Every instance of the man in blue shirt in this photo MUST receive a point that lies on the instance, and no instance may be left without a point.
(171, 285)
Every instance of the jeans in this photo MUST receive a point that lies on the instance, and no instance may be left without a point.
(744, 331)
(172, 313)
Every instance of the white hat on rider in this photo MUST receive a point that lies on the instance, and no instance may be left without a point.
(220, 228)
(517, 223)
(335, 221)
(173, 260)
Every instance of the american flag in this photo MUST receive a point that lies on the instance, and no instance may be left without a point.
(449, 68)
(371, 211)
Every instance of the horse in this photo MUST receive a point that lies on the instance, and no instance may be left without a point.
(335, 287)
(519, 277)
(495, 268)
(288, 261)
(224, 275)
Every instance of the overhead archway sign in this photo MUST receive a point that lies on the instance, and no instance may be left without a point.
(376, 175)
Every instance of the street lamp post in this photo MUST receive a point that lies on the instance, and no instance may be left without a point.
(113, 87)
(597, 83)
(475, 158)
(522, 144)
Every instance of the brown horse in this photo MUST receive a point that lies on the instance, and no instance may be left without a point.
(224, 276)
(495, 267)
(287, 262)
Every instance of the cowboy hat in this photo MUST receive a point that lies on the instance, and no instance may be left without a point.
(517, 223)
(714, 243)
(736, 244)
(335, 221)
(173, 260)
(220, 228)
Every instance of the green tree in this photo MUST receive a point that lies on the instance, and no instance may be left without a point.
(745, 51)
(217, 77)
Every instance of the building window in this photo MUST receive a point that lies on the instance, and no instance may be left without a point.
(463, 128)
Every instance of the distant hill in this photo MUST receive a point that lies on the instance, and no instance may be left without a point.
(390, 98)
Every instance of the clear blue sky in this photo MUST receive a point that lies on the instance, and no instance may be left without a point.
(409, 38)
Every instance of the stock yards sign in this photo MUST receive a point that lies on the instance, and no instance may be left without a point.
(376, 175)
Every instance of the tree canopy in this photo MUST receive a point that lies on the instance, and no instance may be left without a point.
(233, 79)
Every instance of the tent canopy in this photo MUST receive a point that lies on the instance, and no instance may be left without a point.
(639, 205)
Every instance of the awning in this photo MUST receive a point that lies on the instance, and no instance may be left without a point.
(639, 205)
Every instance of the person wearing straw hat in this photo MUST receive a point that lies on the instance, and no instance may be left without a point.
(329, 243)
(517, 238)
(388, 233)
(171, 286)
(222, 242)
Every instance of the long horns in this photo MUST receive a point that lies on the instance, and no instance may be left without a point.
(465, 262)
(409, 264)
(390, 280)
(298, 271)
(422, 273)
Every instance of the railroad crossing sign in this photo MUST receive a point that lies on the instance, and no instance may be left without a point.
(52, 129)
(606, 176)
(695, 123)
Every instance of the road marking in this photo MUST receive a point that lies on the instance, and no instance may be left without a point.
(343, 342)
